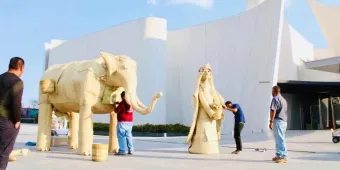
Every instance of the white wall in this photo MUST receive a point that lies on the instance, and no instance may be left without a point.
(288, 68)
(48, 48)
(253, 3)
(301, 48)
(144, 41)
(315, 75)
(242, 51)
(294, 50)
(304, 50)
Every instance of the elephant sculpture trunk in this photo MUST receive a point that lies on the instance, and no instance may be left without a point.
(139, 107)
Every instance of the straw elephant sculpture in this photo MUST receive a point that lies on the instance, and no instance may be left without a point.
(79, 89)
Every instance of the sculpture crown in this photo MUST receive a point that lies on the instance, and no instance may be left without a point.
(207, 68)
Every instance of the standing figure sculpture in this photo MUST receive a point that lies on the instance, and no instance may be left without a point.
(205, 131)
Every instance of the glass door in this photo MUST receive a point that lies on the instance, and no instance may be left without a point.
(315, 118)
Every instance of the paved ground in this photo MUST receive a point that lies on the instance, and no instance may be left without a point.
(312, 150)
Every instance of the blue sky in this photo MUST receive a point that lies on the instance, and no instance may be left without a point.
(26, 24)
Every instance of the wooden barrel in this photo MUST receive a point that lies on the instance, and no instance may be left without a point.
(100, 152)
(47, 86)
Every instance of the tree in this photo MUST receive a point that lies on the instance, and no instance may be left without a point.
(34, 104)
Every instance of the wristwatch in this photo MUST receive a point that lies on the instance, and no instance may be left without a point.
(271, 121)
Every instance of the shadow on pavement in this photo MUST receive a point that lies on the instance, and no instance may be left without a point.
(69, 158)
(165, 151)
(329, 157)
(199, 159)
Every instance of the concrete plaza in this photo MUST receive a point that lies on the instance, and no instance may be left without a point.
(312, 150)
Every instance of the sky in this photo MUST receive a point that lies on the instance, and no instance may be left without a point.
(25, 25)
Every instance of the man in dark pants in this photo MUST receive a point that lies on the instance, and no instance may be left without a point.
(239, 124)
(11, 89)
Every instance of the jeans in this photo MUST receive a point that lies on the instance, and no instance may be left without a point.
(8, 135)
(237, 135)
(279, 127)
(124, 132)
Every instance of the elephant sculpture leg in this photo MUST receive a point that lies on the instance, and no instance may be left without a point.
(73, 131)
(44, 127)
(85, 130)
(113, 140)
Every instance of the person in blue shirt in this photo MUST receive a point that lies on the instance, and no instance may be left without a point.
(239, 123)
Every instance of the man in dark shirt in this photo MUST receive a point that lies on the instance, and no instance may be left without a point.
(239, 124)
(11, 89)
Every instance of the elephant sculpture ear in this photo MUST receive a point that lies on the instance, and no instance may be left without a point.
(110, 63)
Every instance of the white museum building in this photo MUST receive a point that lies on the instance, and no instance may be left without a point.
(249, 53)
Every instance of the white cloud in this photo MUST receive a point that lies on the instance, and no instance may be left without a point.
(201, 3)
(153, 2)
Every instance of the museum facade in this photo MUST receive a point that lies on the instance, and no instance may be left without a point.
(249, 53)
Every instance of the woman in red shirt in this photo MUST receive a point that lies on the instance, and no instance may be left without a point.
(124, 128)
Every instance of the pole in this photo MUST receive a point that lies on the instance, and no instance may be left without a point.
(332, 110)
(320, 113)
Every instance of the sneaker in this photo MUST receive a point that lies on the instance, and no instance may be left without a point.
(235, 152)
(120, 154)
(130, 153)
(281, 160)
(11, 159)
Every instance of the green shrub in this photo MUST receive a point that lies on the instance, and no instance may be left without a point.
(101, 127)
(148, 128)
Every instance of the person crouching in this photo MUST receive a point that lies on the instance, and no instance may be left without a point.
(124, 128)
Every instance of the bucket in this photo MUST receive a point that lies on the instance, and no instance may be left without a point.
(47, 86)
(100, 152)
